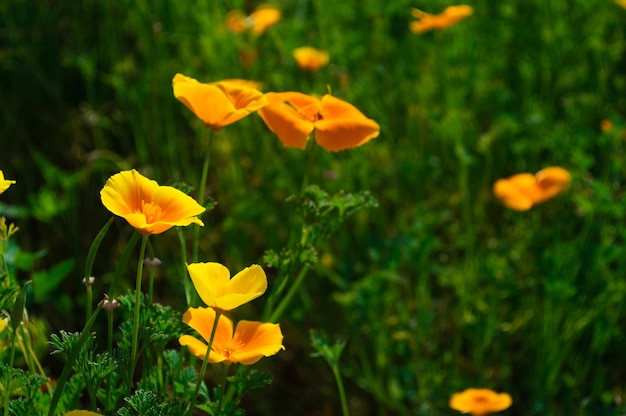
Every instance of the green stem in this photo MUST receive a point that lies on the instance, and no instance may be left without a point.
(7, 384)
(110, 351)
(342, 393)
(203, 179)
(187, 283)
(89, 300)
(150, 274)
(292, 291)
(204, 363)
(133, 355)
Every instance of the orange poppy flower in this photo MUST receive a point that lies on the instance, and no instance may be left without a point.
(247, 343)
(621, 3)
(310, 59)
(147, 206)
(338, 125)
(4, 183)
(450, 16)
(524, 190)
(218, 291)
(480, 402)
(258, 22)
(220, 103)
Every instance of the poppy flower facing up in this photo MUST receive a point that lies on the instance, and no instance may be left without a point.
(218, 291)
(427, 22)
(220, 103)
(480, 402)
(338, 125)
(4, 183)
(310, 59)
(257, 22)
(147, 206)
(524, 190)
(247, 343)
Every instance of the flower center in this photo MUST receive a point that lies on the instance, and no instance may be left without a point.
(151, 211)
(311, 112)
(231, 348)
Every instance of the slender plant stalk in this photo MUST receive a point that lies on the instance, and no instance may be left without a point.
(89, 300)
(7, 383)
(133, 355)
(292, 291)
(342, 392)
(110, 351)
(204, 364)
(150, 274)
(201, 188)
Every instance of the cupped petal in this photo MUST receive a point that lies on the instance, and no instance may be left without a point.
(263, 18)
(177, 207)
(250, 281)
(4, 183)
(257, 340)
(309, 58)
(198, 348)
(124, 192)
(210, 280)
(519, 192)
(480, 401)
(552, 181)
(283, 120)
(245, 100)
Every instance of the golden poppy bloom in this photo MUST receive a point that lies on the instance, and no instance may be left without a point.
(218, 291)
(338, 125)
(524, 190)
(220, 103)
(247, 343)
(4, 183)
(480, 402)
(310, 59)
(258, 22)
(621, 3)
(606, 125)
(450, 16)
(147, 206)
(81, 413)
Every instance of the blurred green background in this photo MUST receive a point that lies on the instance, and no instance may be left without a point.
(437, 289)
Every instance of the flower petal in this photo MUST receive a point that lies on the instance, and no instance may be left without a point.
(519, 192)
(263, 18)
(258, 340)
(283, 120)
(210, 280)
(124, 192)
(178, 208)
(552, 181)
(198, 348)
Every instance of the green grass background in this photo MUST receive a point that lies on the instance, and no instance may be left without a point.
(438, 289)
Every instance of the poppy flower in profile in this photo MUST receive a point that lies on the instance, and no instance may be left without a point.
(257, 22)
(246, 343)
(427, 22)
(4, 183)
(310, 59)
(338, 125)
(478, 402)
(218, 291)
(147, 206)
(524, 190)
(220, 103)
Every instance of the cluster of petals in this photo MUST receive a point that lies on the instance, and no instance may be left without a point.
(218, 291)
(147, 206)
(478, 402)
(221, 103)
(310, 59)
(4, 183)
(257, 22)
(246, 343)
(338, 125)
(426, 22)
(524, 190)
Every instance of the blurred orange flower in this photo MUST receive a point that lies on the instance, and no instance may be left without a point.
(480, 402)
(606, 125)
(245, 344)
(258, 22)
(524, 190)
(218, 291)
(147, 206)
(310, 59)
(450, 16)
(338, 125)
(622, 3)
(220, 103)
(4, 183)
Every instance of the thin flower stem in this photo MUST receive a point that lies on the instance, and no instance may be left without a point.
(133, 355)
(342, 393)
(110, 351)
(89, 300)
(201, 188)
(150, 274)
(292, 291)
(204, 363)
(309, 163)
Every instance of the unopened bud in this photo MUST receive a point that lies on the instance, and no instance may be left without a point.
(109, 305)
(155, 262)
(89, 281)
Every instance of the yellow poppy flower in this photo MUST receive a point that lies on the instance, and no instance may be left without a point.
(310, 59)
(4, 183)
(247, 343)
(621, 3)
(81, 413)
(147, 206)
(450, 16)
(524, 190)
(338, 125)
(480, 402)
(220, 103)
(258, 22)
(218, 291)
